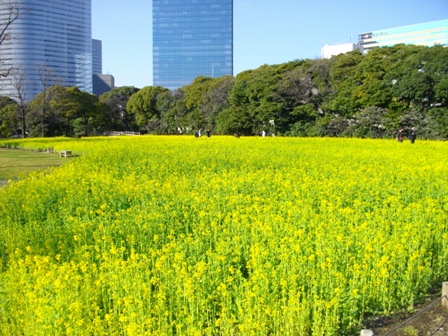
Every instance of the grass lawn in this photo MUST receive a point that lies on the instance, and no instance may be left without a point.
(14, 162)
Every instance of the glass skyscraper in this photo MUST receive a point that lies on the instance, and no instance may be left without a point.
(426, 34)
(51, 38)
(191, 38)
(97, 57)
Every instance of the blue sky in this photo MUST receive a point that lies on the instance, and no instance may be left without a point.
(265, 31)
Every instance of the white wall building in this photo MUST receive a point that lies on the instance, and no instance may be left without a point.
(333, 50)
(426, 34)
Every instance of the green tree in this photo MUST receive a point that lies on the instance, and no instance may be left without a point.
(297, 94)
(416, 89)
(19, 84)
(440, 115)
(235, 119)
(194, 92)
(174, 113)
(262, 106)
(76, 111)
(420, 76)
(47, 79)
(425, 123)
(144, 105)
(370, 87)
(369, 122)
(57, 120)
(216, 99)
(117, 117)
(303, 92)
(344, 70)
(441, 92)
(84, 107)
(194, 99)
(39, 118)
(8, 118)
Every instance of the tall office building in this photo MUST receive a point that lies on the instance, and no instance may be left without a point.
(51, 37)
(101, 83)
(191, 38)
(426, 34)
(97, 57)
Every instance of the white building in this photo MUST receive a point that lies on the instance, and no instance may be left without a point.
(426, 34)
(333, 50)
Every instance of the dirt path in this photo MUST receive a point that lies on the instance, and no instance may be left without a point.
(429, 319)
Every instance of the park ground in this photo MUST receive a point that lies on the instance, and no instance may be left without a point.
(427, 319)
(14, 163)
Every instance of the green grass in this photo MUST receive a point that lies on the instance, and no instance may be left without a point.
(14, 163)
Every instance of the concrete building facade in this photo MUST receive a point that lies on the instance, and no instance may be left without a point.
(328, 51)
(102, 83)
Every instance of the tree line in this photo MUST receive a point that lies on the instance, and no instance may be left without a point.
(349, 95)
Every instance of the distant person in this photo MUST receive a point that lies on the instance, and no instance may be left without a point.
(208, 133)
(400, 135)
(263, 133)
(412, 135)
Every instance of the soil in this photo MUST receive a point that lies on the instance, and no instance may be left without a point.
(428, 319)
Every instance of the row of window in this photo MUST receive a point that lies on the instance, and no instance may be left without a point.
(417, 39)
(192, 23)
(188, 60)
(223, 35)
(192, 72)
(423, 33)
(186, 16)
(191, 38)
(188, 39)
(203, 45)
(194, 31)
(183, 45)
(55, 29)
(192, 53)
(212, 63)
(189, 7)
(204, 69)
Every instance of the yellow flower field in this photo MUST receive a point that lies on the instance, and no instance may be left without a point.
(221, 236)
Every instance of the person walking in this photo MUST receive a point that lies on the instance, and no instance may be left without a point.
(400, 135)
(412, 135)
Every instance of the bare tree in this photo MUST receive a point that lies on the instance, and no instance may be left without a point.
(8, 14)
(47, 79)
(19, 84)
